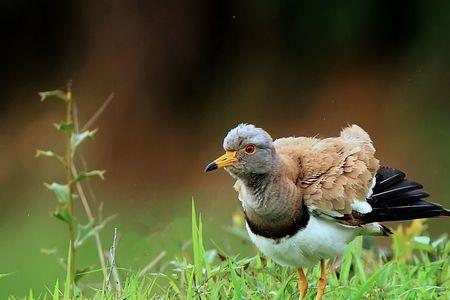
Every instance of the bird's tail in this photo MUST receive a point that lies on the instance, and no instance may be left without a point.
(396, 198)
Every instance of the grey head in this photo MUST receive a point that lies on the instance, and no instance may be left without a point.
(249, 151)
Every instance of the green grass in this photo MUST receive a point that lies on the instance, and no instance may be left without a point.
(418, 268)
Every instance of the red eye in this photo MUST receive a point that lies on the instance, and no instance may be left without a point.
(250, 149)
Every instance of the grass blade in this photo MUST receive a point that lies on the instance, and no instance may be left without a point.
(56, 291)
(362, 289)
(196, 247)
(346, 264)
(68, 283)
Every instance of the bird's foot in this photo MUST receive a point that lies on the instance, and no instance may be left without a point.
(303, 283)
(321, 285)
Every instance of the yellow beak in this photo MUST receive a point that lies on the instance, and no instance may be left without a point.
(226, 160)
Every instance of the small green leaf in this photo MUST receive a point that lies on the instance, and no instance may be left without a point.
(63, 214)
(58, 94)
(84, 232)
(422, 243)
(45, 251)
(422, 240)
(63, 126)
(61, 191)
(82, 272)
(439, 241)
(50, 154)
(5, 275)
(90, 229)
(77, 139)
(83, 175)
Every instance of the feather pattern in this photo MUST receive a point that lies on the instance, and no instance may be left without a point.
(305, 199)
(396, 198)
(337, 179)
(331, 173)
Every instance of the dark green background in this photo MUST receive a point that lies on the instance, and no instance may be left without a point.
(185, 72)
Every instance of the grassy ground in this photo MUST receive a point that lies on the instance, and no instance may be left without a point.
(415, 268)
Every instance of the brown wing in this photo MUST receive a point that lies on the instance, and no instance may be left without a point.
(334, 172)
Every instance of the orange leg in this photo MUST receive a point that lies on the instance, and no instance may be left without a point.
(303, 281)
(322, 281)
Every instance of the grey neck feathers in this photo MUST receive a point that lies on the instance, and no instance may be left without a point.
(269, 197)
(271, 202)
(257, 185)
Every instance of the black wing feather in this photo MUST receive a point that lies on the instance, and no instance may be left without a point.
(396, 198)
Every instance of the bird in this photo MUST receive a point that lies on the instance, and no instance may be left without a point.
(305, 199)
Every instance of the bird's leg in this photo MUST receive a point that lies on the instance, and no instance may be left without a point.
(322, 281)
(303, 281)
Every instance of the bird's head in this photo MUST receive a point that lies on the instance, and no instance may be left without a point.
(248, 150)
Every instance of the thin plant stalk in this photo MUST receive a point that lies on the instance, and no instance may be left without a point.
(65, 192)
(90, 216)
(69, 161)
(78, 185)
(85, 201)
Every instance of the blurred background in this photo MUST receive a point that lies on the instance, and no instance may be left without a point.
(183, 74)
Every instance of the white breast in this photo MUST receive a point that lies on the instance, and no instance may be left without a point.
(318, 240)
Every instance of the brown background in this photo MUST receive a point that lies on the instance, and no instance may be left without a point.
(185, 72)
